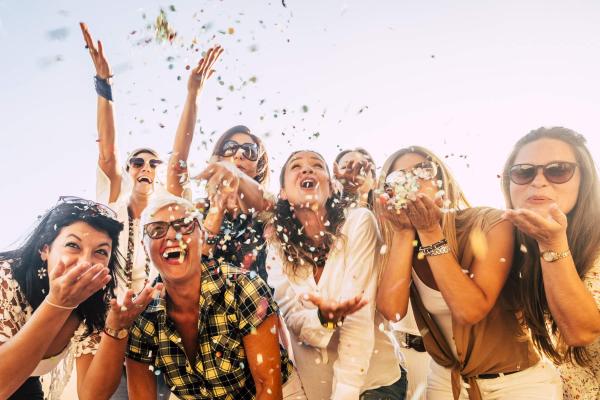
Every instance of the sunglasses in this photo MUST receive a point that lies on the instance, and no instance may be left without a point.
(555, 172)
(138, 162)
(89, 205)
(158, 229)
(231, 147)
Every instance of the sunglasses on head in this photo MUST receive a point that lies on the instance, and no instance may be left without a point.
(138, 162)
(158, 229)
(554, 172)
(230, 148)
(86, 204)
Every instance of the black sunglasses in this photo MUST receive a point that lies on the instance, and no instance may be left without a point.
(138, 162)
(555, 172)
(231, 147)
(158, 229)
(89, 205)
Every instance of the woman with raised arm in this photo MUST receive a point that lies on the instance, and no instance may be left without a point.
(240, 166)
(550, 184)
(453, 263)
(55, 292)
(213, 332)
(321, 266)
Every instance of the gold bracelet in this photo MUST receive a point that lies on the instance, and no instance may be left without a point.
(58, 306)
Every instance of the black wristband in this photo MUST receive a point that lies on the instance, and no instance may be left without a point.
(103, 88)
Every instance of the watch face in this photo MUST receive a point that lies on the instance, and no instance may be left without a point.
(549, 256)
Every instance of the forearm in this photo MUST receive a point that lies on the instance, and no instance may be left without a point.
(104, 372)
(212, 224)
(252, 195)
(466, 300)
(571, 304)
(22, 353)
(181, 145)
(394, 286)
(106, 130)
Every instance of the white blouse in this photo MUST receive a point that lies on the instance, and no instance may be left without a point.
(359, 355)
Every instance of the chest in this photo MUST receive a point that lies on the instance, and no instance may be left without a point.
(186, 325)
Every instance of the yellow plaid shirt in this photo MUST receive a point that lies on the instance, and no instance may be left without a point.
(232, 304)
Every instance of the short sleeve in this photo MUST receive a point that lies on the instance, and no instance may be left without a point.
(255, 303)
(143, 344)
(14, 309)
(84, 343)
(592, 282)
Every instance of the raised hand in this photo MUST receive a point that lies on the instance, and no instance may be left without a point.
(122, 315)
(204, 69)
(103, 69)
(334, 311)
(397, 217)
(352, 174)
(423, 213)
(549, 231)
(71, 286)
(222, 184)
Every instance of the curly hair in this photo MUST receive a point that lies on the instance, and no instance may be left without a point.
(297, 250)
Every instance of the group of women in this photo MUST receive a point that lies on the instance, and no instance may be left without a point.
(247, 295)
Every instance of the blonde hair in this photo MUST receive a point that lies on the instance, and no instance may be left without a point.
(456, 199)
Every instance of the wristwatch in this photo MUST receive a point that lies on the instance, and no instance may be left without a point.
(551, 255)
(116, 333)
(330, 325)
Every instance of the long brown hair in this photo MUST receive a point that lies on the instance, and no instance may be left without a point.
(583, 236)
(262, 168)
(456, 199)
(293, 244)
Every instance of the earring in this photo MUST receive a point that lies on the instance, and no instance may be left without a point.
(42, 272)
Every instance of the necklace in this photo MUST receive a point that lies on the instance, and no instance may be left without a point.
(130, 254)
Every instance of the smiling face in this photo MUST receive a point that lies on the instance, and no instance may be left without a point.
(541, 193)
(176, 255)
(143, 176)
(78, 243)
(407, 162)
(245, 165)
(306, 181)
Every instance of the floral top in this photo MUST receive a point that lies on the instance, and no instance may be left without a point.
(15, 311)
(583, 383)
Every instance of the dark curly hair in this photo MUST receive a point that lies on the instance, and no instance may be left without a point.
(296, 249)
(26, 260)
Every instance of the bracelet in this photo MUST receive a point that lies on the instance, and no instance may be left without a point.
(103, 88)
(58, 306)
(436, 249)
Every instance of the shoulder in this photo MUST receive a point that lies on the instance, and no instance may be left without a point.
(359, 217)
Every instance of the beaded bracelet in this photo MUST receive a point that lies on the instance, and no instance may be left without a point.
(436, 249)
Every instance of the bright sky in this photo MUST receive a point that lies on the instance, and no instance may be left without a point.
(463, 78)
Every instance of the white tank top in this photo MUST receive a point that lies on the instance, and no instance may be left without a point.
(438, 308)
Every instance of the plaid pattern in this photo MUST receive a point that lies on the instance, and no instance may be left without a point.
(232, 304)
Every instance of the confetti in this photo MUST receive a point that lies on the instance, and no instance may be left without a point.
(259, 359)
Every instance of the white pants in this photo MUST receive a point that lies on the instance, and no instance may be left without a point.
(541, 381)
(417, 367)
(292, 389)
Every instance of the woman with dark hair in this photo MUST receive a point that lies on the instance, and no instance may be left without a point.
(237, 177)
(355, 170)
(55, 293)
(321, 266)
(453, 261)
(550, 184)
